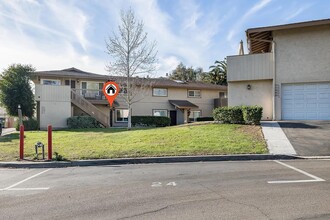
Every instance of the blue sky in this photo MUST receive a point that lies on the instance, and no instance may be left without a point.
(71, 33)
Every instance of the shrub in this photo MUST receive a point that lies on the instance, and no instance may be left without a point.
(232, 115)
(236, 115)
(205, 119)
(252, 114)
(30, 124)
(221, 114)
(82, 122)
(156, 121)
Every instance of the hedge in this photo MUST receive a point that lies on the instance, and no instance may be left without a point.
(238, 114)
(155, 121)
(205, 119)
(30, 124)
(252, 114)
(82, 122)
(233, 115)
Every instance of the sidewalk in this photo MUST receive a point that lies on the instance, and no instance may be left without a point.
(6, 131)
(277, 142)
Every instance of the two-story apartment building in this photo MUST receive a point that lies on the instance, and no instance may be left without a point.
(61, 94)
(287, 71)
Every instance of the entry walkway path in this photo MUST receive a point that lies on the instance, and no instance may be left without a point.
(277, 142)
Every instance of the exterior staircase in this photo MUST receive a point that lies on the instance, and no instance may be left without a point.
(89, 108)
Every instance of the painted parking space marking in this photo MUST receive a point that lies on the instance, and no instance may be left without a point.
(11, 188)
(159, 184)
(314, 178)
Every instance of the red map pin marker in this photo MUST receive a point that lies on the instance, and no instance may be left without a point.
(110, 91)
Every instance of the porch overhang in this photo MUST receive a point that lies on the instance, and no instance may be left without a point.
(182, 104)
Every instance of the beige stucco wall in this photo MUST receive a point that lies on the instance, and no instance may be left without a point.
(55, 105)
(302, 55)
(259, 94)
(147, 102)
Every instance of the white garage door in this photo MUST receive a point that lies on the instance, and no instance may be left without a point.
(306, 101)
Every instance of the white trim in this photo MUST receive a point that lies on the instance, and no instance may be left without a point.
(156, 95)
(116, 115)
(54, 80)
(153, 112)
(194, 96)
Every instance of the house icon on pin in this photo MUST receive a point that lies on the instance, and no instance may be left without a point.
(111, 90)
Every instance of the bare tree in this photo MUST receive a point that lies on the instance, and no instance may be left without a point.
(132, 56)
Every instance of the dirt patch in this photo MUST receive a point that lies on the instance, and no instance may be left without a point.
(253, 130)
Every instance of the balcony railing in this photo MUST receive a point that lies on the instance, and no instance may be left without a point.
(90, 94)
(250, 67)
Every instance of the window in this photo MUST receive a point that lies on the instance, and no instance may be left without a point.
(71, 83)
(160, 112)
(222, 95)
(100, 93)
(84, 87)
(52, 82)
(159, 92)
(194, 115)
(121, 115)
(194, 93)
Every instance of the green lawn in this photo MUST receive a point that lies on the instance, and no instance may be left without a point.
(193, 139)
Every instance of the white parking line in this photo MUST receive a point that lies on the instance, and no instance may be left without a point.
(314, 178)
(25, 189)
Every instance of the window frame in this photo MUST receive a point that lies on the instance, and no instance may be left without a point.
(153, 112)
(191, 113)
(54, 80)
(116, 115)
(200, 93)
(153, 93)
(224, 95)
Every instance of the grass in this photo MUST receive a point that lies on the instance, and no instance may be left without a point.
(193, 139)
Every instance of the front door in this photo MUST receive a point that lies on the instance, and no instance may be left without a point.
(173, 117)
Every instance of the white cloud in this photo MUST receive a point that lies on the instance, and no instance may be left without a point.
(253, 10)
(167, 63)
(26, 38)
(70, 20)
(297, 12)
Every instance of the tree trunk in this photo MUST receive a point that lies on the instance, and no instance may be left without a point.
(129, 124)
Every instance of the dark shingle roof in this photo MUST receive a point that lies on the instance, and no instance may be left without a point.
(155, 82)
(182, 104)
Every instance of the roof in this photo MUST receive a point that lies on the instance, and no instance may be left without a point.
(259, 39)
(155, 82)
(182, 104)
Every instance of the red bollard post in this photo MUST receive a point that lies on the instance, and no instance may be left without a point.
(50, 142)
(21, 142)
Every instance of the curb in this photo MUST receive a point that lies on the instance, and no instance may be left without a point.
(147, 160)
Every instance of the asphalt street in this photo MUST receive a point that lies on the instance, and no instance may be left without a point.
(293, 189)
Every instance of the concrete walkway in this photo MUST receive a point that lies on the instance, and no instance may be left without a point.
(277, 142)
(6, 131)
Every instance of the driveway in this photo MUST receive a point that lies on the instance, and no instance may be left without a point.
(308, 138)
